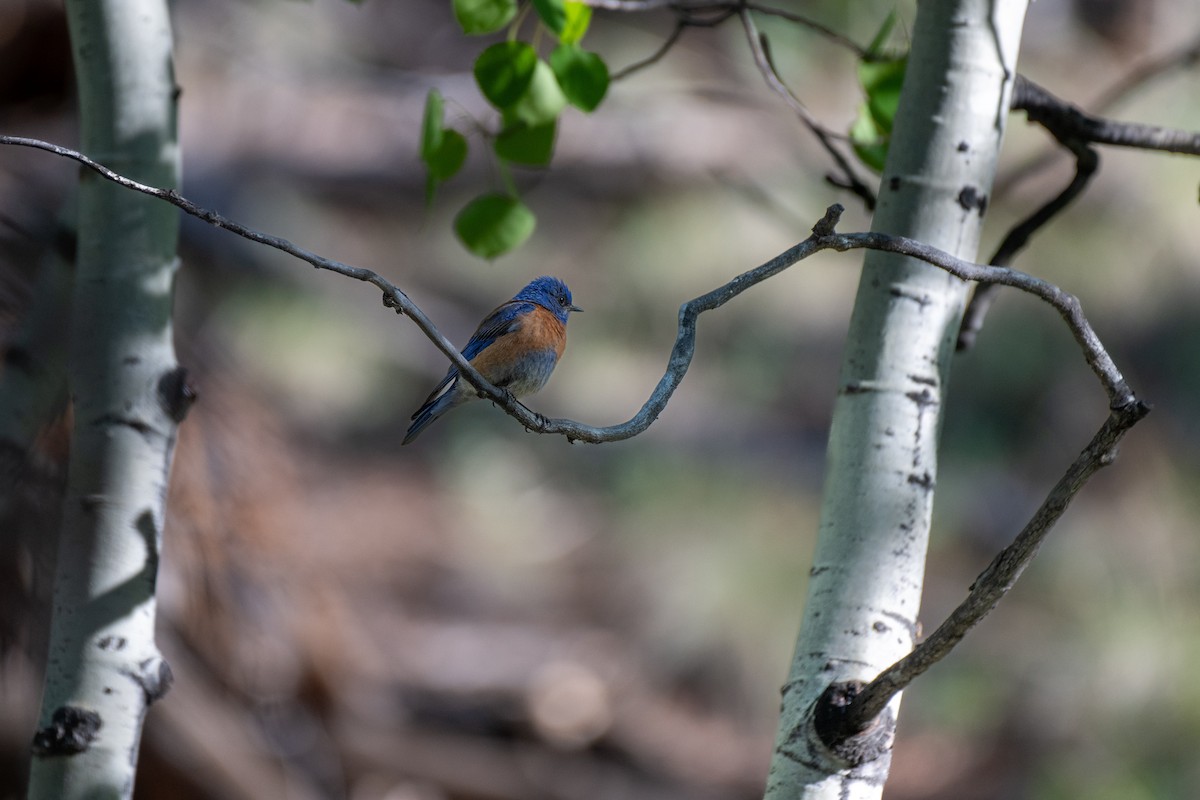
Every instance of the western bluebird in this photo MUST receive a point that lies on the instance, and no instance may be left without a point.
(516, 347)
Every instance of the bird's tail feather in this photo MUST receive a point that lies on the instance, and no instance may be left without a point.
(429, 412)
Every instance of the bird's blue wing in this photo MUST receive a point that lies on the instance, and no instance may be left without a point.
(505, 319)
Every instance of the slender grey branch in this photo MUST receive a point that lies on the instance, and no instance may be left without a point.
(824, 237)
(393, 297)
(1086, 163)
(1074, 130)
(656, 56)
(762, 58)
(698, 16)
(683, 8)
(810, 23)
(1067, 121)
(1067, 305)
(709, 13)
(995, 581)
(1187, 56)
(630, 5)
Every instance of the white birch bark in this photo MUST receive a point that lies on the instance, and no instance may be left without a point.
(868, 569)
(128, 395)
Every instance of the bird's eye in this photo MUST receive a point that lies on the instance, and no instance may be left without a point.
(563, 301)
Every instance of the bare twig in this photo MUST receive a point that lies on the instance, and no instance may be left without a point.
(1086, 163)
(1183, 58)
(1067, 122)
(1074, 130)
(630, 5)
(698, 16)
(810, 23)
(1067, 305)
(657, 55)
(848, 178)
(824, 237)
(688, 8)
(710, 13)
(393, 297)
(995, 581)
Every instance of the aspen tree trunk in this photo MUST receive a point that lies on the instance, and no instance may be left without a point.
(128, 396)
(865, 589)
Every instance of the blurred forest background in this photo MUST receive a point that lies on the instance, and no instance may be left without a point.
(493, 615)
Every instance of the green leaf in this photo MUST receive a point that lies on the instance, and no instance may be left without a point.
(445, 163)
(493, 224)
(525, 144)
(541, 102)
(882, 81)
(578, 17)
(442, 149)
(484, 16)
(869, 142)
(552, 14)
(504, 72)
(583, 76)
(431, 125)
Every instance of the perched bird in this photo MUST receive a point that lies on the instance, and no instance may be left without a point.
(516, 347)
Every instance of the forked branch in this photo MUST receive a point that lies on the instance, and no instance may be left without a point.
(1076, 131)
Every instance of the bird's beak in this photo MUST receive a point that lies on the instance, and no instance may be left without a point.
(574, 308)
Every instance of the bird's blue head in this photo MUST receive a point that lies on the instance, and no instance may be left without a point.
(551, 294)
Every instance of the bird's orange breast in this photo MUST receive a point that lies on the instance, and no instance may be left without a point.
(524, 358)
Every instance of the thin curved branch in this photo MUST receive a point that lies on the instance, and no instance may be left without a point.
(1086, 163)
(1068, 122)
(824, 237)
(683, 8)
(699, 16)
(393, 297)
(630, 5)
(810, 23)
(1076, 131)
(711, 14)
(848, 179)
(1183, 58)
(656, 56)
